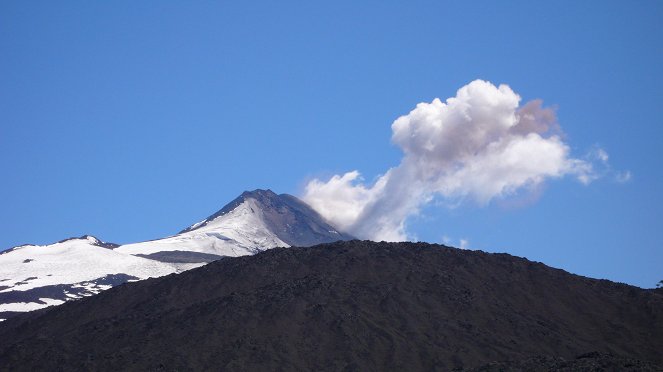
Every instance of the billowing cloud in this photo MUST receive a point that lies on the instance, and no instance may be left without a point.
(478, 146)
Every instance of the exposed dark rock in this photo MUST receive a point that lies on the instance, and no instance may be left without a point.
(182, 256)
(13, 249)
(26, 280)
(347, 306)
(9, 314)
(590, 362)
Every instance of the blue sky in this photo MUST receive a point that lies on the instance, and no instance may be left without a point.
(130, 121)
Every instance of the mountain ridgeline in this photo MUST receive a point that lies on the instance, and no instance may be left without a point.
(351, 306)
(33, 277)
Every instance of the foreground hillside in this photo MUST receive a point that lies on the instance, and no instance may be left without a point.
(343, 306)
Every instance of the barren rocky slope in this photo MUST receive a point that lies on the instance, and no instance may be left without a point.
(343, 306)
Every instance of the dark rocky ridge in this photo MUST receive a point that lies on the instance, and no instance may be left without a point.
(292, 220)
(343, 306)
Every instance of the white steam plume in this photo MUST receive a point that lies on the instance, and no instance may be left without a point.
(478, 145)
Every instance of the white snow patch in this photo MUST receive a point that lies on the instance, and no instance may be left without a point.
(73, 261)
(197, 224)
(29, 306)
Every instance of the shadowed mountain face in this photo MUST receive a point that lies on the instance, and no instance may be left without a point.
(344, 306)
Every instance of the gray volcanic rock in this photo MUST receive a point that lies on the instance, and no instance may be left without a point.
(588, 362)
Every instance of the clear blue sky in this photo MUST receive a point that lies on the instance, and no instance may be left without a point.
(132, 120)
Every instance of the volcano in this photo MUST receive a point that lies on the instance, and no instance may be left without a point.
(33, 277)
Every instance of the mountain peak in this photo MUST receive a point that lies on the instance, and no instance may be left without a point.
(34, 276)
(284, 215)
(229, 208)
(259, 193)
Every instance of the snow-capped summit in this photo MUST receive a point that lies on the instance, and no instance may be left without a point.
(292, 220)
(254, 221)
(34, 276)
